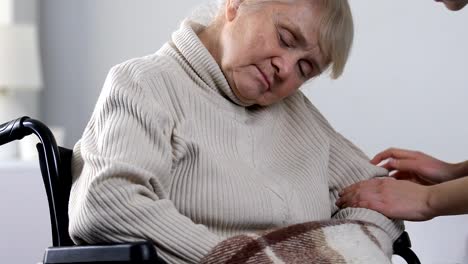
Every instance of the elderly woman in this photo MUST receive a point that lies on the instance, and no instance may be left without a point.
(208, 149)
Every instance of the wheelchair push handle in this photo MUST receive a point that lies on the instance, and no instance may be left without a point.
(13, 130)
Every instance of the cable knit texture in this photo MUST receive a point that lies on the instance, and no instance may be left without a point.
(172, 156)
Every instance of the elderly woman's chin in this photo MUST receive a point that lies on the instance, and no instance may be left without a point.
(250, 93)
(255, 95)
(250, 87)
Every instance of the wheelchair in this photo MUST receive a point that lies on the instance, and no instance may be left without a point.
(55, 165)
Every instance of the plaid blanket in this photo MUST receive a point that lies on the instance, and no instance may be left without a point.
(327, 242)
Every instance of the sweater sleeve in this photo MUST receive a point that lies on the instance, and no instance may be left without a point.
(348, 165)
(121, 167)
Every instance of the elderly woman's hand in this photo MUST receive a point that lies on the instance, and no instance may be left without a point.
(397, 199)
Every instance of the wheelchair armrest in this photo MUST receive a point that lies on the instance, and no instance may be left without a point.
(135, 253)
(402, 248)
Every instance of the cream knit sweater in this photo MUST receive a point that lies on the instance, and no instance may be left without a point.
(172, 156)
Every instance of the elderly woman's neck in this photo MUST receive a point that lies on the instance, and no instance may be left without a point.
(210, 37)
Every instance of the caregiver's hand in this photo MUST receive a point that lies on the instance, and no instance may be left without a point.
(397, 199)
(417, 166)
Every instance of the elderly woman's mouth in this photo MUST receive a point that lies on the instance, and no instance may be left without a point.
(264, 78)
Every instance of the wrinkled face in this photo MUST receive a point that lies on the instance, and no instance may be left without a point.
(270, 49)
(454, 5)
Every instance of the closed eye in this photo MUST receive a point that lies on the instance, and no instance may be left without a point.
(283, 42)
(306, 69)
(286, 38)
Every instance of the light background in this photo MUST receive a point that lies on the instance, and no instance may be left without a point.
(406, 85)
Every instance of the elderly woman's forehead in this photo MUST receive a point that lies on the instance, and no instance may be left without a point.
(299, 7)
(292, 2)
(303, 21)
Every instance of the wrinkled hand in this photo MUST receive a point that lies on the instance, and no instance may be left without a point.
(415, 166)
(397, 199)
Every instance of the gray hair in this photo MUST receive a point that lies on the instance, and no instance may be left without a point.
(207, 12)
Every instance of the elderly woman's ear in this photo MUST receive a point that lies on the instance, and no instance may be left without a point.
(232, 7)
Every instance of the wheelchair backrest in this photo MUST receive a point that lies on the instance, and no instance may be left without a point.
(58, 193)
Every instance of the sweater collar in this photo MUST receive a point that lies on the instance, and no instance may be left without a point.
(191, 48)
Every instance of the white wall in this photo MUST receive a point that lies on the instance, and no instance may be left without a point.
(406, 84)
(24, 226)
(6, 11)
(22, 12)
(81, 40)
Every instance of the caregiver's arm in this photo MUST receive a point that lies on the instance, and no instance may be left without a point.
(401, 199)
(449, 198)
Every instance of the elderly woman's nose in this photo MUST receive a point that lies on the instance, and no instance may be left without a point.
(284, 65)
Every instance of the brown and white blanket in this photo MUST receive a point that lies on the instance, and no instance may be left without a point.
(327, 242)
